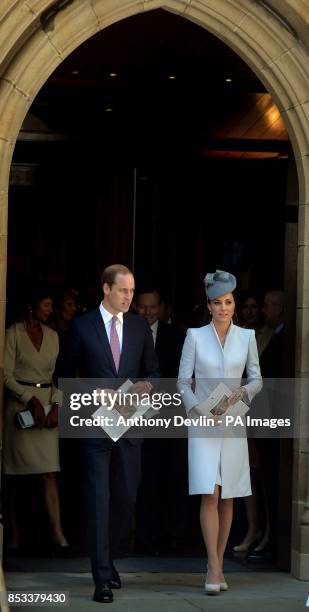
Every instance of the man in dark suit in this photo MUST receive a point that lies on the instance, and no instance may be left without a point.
(167, 339)
(271, 360)
(110, 343)
(162, 499)
(271, 364)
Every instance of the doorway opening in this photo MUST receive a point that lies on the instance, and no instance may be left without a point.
(155, 145)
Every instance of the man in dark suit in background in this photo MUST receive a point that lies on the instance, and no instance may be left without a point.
(162, 500)
(271, 360)
(271, 364)
(167, 339)
(111, 343)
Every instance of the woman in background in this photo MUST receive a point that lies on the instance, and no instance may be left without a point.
(31, 351)
(64, 311)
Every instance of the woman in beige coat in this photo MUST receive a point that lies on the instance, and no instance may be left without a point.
(30, 355)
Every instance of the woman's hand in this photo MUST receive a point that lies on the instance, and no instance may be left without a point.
(217, 419)
(37, 412)
(52, 417)
(237, 395)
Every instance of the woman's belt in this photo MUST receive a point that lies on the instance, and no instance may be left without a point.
(33, 384)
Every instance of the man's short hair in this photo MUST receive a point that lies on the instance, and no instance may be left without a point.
(148, 289)
(277, 295)
(109, 274)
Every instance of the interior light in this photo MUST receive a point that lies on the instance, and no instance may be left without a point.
(228, 80)
(172, 77)
(113, 74)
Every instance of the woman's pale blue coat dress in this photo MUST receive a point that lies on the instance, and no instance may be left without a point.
(214, 459)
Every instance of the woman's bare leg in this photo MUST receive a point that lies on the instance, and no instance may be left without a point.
(251, 507)
(53, 507)
(225, 511)
(209, 518)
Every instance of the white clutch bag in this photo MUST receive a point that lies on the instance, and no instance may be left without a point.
(24, 418)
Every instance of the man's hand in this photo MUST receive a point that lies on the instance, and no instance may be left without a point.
(105, 396)
(37, 412)
(52, 417)
(141, 387)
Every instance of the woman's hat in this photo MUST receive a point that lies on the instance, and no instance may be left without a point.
(218, 283)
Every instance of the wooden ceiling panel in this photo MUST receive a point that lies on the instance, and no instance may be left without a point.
(249, 119)
(277, 131)
(258, 118)
(215, 104)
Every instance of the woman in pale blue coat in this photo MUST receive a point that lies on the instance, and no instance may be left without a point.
(218, 466)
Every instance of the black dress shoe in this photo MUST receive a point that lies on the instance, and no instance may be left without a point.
(115, 582)
(103, 594)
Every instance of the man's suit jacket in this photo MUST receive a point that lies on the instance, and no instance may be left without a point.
(169, 342)
(271, 359)
(87, 349)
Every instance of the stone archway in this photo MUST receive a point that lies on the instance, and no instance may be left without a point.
(36, 37)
